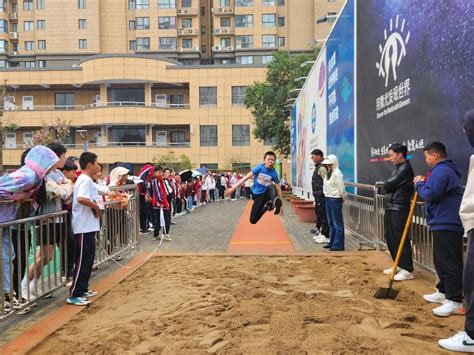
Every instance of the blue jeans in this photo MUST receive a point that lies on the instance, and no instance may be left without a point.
(190, 203)
(7, 260)
(336, 222)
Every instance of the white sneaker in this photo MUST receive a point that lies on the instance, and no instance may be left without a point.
(459, 342)
(389, 271)
(436, 297)
(403, 275)
(449, 307)
(327, 240)
(319, 239)
(167, 237)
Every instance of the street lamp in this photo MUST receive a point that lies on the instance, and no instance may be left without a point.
(83, 134)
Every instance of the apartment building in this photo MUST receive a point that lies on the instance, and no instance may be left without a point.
(138, 78)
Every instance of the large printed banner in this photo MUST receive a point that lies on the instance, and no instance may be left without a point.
(415, 73)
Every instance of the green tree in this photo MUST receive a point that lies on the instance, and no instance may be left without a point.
(172, 161)
(267, 100)
(6, 121)
(56, 131)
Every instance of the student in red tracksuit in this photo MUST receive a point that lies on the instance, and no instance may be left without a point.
(160, 203)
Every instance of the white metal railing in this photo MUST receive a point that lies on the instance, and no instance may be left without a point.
(159, 105)
(113, 144)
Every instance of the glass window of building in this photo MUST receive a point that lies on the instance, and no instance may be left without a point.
(244, 21)
(40, 4)
(240, 134)
(143, 43)
(64, 100)
(238, 95)
(187, 23)
(186, 61)
(130, 96)
(3, 63)
(268, 2)
(142, 4)
(167, 43)
(281, 42)
(267, 59)
(245, 60)
(178, 137)
(244, 41)
(268, 41)
(83, 44)
(281, 21)
(132, 4)
(41, 45)
(332, 17)
(40, 24)
(41, 64)
(143, 23)
(210, 166)
(29, 46)
(132, 45)
(228, 61)
(186, 3)
(281, 2)
(3, 5)
(244, 3)
(27, 5)
(166, 23)
(166, 4)
(81, 4)
(225, 42)
(223, 3)
(268, 20)
(203, 49)
(132, 25)
(82, 24)
(30, 64)
(177, 100)
(14, 27)
(208, 96)
(3, 26)
(128, 135)
(241, 166)
(208, 135)
(225, 21)
(3, 46)
(187, 43)
(203, 30)
(203, 11)
(28, 25)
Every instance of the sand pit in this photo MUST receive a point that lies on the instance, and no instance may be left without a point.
(253, 305)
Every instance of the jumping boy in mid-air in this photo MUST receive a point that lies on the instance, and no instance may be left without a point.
(266, 190)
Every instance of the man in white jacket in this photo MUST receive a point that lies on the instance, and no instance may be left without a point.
(464, 341)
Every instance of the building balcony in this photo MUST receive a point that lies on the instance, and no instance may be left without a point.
(188, 32)
(219, 48)
(186, 11)
(13, 16)
(223, 31)
(221, 11)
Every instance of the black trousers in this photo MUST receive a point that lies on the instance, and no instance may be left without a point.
(447, 256)
(157, 224)
(394, 226)
(85, 254)
(21, 246)
(212, 195)
(468, 285)
(321, 218)
(144, 212)
(221, 192)
(259, 201)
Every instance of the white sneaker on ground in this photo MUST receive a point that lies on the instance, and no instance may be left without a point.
(436, 297)
(459, 342)
(167, 237)
(319, 239)
(389, 270)
(404, 275)
(449, 307)
(327, 240)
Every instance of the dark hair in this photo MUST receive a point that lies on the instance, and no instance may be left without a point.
(269, 153)
(86, 158)
(69, 166)
(318, 152)
(57, 148)
(436, 147)
(165, 168)
(101, 167)
(157, 168)
(72, 158)
(23, 156)
(399, 148)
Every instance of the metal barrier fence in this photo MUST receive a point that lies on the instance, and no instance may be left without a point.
(364, 216)
(37, 253)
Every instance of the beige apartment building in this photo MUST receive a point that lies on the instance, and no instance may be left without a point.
(138, 78)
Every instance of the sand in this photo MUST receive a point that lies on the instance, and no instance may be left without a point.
(253, 305)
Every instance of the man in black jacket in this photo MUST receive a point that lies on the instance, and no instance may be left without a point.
(319, 173)
(399, 190)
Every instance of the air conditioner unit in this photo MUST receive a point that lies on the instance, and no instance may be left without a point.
(185, 11)
(180, 49)
(238, 46)
(181, 32)
(221, 9)
(160, 100)
(196, 49)
(191, 30)
(226, 30)
(231, 10)
(180, 11)
(212, 10)
(13, 35)
(13, 16)
(13, 53)
(230, 48)
(217, 30)
(216, 48)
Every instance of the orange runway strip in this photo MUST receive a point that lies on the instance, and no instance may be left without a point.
(267, 237)
(41, 330)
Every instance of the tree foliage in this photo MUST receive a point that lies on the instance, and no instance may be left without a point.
(56, 131)
(172, 161)
(268, 100)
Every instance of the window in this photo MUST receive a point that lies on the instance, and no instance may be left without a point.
(241, 166)
(82, 24)
(208, 135)
(177, 100)
(225, 42)
(223, 3)
(244, 21)
(132, 45)
(225, 21)
(166, 23)
(203, 11)
(83, 44)
(268, 41)
(186, 3)
(244, 41)
(281, 2)
(281, 41)
(14, 27)
(208, 96)
(186, 61)
(246, 59)
(143, 44)
(268, 20)
(166, 4)
(81, 4)
(128, 135)
(30, 64)
(3, 46)
(267, 59)
(41, 45)
(167, 43)
(3, 63)
(187, 43)
(3, 26)
(29, 45)
(268, 2)
(132, 25)
(40, 4)
(28, 25)
(228, 61)
(40, 24)
(238, 95)
(64, 100)
(244, 3)
(143, 23)
(203, 49)
(240, 135)
(187, 23)
(210, 166)
(332, 17)
(132, 4)
(177, 137)
(203, 30)
(3, 5)
(142, 4)
(27, 5)
(281, 21)
(41, 64)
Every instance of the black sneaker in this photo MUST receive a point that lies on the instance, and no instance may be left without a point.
(327, 246)
(269, 206)
(277, 203)
(314, 231)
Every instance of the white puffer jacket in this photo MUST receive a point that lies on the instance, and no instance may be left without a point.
(467, 205)
(334, 181)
